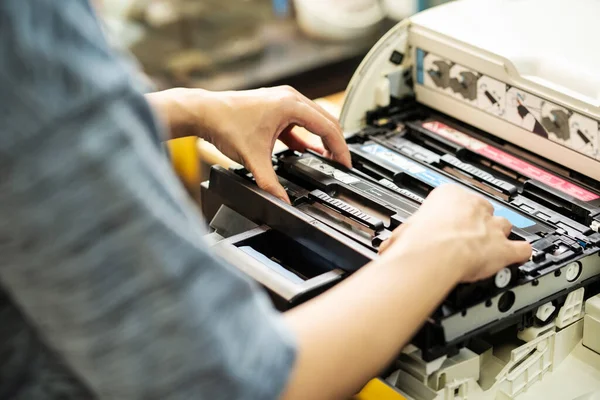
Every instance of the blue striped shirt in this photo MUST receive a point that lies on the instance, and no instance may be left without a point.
(106, 287)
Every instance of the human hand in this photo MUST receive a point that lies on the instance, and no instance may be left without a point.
(244, 126)
(460, 229)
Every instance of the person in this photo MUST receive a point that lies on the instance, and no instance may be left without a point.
(107, 289)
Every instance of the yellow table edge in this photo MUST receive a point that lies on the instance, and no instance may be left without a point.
(377, 389)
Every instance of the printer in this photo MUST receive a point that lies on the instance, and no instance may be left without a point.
(501, 97)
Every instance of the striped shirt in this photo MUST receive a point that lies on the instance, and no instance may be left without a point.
(106, 288)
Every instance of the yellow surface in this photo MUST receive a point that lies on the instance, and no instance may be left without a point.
(184, 156)
(378, 390)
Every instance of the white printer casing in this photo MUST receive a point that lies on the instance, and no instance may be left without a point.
(540, 54)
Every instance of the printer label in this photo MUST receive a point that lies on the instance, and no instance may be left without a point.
(525, 110)
(491, 96)
(498, 156)
(434, 179)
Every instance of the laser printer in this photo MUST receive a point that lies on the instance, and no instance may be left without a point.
(501, 97)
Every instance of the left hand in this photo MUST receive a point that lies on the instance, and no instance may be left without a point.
(470, 239)
(244, 126)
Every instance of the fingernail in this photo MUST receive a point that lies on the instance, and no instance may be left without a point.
(284, 199)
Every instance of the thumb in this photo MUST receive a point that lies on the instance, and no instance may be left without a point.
(266, 179)
(384, 245)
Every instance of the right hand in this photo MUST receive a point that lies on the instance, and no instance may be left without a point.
(460, 228)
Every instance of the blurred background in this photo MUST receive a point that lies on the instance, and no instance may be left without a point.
(313, 45)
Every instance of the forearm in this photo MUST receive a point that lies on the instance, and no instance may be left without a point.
(174, 107)
(347, 335)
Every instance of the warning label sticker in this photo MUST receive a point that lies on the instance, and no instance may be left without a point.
(514, 105)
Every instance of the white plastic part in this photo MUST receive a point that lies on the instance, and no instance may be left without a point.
(534, 332)
(360, 94)
(591, 324)
(595, 226)
(591, 333)
(409, 348)
(552, 366)
(503, 278)
(338, 19)
(572, 271)
(565, 341)
(595, 395)
(592, 307)
(414, 362)
(457, 390)
(527, 365)
(382, 94)
(574, 372)
(460, 368)
(456, 378)
(411, 387)
(544, 312)
(572, 310)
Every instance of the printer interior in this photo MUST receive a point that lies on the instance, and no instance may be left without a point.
(437, 102)
(338, 217)
(398, 158)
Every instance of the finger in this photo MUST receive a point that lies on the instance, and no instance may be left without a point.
(519, 251)
(384, 245)
(324, 112)
(298, 143)
(485, 205)
(266, 179)
(305, 116)
(503, 224)
(396, 233)
(314, 105)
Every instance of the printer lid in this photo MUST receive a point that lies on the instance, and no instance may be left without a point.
(552, 42)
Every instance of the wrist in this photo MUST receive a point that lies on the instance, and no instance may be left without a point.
(441, 261)
(182, 112)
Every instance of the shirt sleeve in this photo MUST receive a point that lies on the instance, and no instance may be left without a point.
(100, 247)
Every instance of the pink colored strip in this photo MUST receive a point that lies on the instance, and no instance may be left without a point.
(509, 161)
